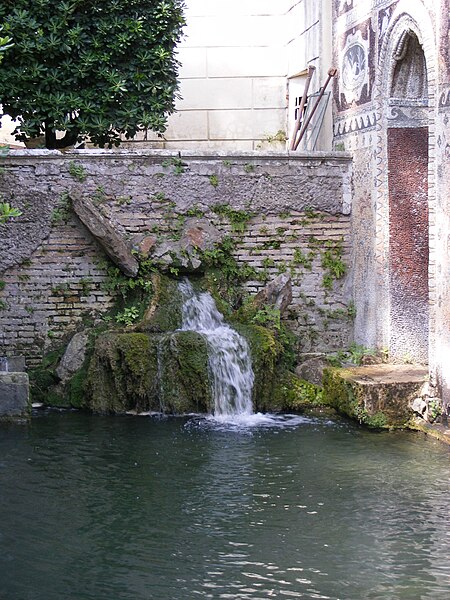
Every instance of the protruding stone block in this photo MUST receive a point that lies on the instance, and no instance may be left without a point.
(375, 395)
(12, 363)
(112, 241)
(14, 395)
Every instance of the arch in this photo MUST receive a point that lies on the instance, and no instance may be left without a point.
(406, 77)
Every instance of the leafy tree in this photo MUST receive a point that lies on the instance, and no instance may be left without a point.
(5, 43)
(97, 68)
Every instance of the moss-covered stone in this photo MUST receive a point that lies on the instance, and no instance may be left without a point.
(184, 374)
(377, 396)
(265, 350)
(122, 373)
(44, 381)
(165, 311)
(293, 394)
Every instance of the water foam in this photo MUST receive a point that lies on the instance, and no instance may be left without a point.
(228, 354)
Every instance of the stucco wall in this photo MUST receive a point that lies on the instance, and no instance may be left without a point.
(54, 271)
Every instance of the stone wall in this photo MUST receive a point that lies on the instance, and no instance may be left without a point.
(54, 272)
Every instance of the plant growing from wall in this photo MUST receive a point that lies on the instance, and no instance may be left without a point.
(238, 219)
(214, 180)
(97, 69)
(77, 171)
(177, 164)
(7, 212)
(61, 213)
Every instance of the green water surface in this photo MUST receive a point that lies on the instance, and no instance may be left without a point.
(138, 508)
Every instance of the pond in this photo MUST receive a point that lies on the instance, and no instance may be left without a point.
(139, 508)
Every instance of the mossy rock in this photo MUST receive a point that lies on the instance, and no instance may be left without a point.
(122, 373)
(165, 311)
(265, 350)
(294, 394)
(377, 395)
(44, 381)
(184, 377)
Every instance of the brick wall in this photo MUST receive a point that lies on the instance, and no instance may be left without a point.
(53, 269)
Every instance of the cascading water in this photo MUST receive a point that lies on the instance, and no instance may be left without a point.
(228, 353)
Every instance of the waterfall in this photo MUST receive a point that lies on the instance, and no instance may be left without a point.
(228, 354)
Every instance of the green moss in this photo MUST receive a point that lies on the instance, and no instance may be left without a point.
(265, 350)
(43, 380)
(184, 373)
(291, 393)
(122, 373)
(347, 398)
(164, 312)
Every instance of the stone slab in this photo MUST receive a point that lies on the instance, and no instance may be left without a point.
(12, 363)
(375, 395)
(14, 395)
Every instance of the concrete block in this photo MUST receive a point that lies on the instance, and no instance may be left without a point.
(226, 30)
(198, 8)
(187, 125)
(193, 63)
(14, 395)
(269, 92)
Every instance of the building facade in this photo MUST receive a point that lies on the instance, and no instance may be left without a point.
(392, 112)
(243, 72)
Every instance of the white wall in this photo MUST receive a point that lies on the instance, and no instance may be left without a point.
(236, 57)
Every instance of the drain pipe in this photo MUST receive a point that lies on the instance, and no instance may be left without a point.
(331, 73)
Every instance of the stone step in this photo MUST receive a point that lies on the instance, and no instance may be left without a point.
(376, 395)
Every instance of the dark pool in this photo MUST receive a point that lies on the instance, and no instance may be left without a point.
(137, 508)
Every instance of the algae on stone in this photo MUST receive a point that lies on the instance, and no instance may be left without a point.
(265, 351)
(377, 396)
(122, 373)
(294, 394)
(184, 373)
(164, 312)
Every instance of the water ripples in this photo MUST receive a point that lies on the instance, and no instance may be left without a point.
(274, 506)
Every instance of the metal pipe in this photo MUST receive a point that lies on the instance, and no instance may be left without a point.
(331, 73)
(311, 70)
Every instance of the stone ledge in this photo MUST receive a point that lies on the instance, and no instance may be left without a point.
(375, 395)
(94, 153)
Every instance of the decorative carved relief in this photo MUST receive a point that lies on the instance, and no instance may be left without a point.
(343, 6)
(357, 71)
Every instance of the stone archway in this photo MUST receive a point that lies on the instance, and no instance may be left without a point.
(407, 158)
(405, 91)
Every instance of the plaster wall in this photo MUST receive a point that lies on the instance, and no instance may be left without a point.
(54, 273)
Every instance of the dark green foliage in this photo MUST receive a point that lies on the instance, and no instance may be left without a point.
(97, 69)
(43, 379)
(61, 213)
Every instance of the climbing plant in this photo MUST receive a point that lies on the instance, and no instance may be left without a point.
(98, 69)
